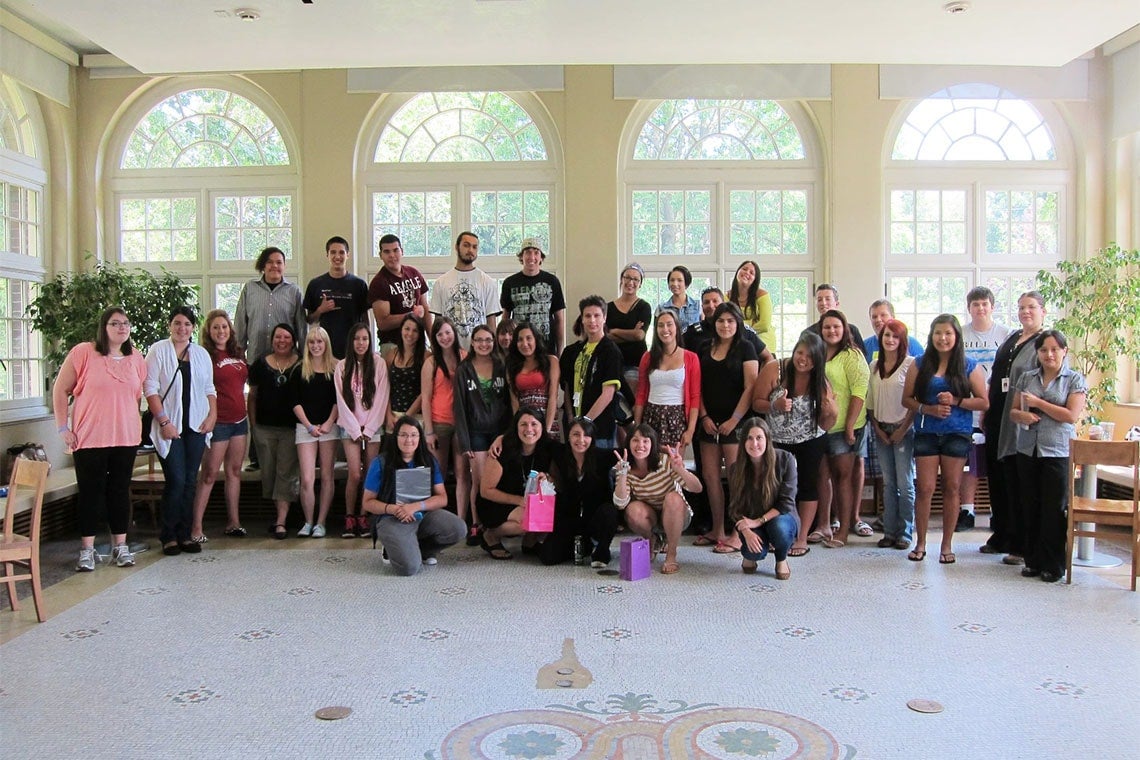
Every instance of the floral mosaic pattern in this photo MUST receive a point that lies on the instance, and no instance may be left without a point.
(749, 742)
(434, 634)
(531, 744)
(193, 696)
(762, 588)
(452, 591)
(258, 634)
(798, 632)
(978, 628)
(206, 559)
(336, 560)
(608, 589)
(408, 697)
(848, 694)
(634, 705)
(1063, 688)
(83, 633)
(302, 591)
(151, 591)
(914, 585)
(617, 634)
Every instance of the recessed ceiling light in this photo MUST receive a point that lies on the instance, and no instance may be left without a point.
(247, 14)
(956, 8)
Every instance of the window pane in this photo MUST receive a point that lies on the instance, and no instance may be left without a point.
(768, 222)
(19, 220)
(1022, 222)
(245, 224)
(158, 230)
(422, 220)
(719, 130)
(928, 222)
(21, 349)
(499, 218)
(671, 222)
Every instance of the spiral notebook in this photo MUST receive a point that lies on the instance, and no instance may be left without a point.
(413, 484)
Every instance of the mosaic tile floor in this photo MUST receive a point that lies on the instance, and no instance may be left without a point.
(229, 653)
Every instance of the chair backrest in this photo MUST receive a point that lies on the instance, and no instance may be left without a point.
(1120, 453)
(27, 474)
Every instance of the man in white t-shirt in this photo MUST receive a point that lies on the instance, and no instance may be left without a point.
(981, 337)
(466, 295)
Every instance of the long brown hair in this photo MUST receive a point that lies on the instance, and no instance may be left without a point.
(231, 350)
(365, 366)
(752, 486)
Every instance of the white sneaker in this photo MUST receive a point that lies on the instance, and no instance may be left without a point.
(122, 556)
(305, 531)
(318, 531)
(87, 559)
(431, 560)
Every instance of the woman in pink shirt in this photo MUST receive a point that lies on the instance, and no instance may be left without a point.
(361, 380)
(105, 381)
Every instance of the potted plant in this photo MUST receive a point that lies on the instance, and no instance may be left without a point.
(66, 309)
(1100, 300)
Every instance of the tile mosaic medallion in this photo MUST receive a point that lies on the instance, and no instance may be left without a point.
(638, 726)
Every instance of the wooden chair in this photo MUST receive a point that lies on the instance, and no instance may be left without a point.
(23, 550)
(1119, 512)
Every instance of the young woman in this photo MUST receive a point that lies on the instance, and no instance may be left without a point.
(482, 404)
(504, 337)
(270, 406)
(728, 371)
(105, 380)
(525, 449)
(534, 375)
(180, 393)
(591, 371)
(762, 485)
(648, 488)
(314, 404)
(413, 533)
(842, 473)
(1014, 357)
(945, 389)
(893, 425)
(797, 398)
(754, 302)
(1047, 404)
(437, 392)
(405, 362)
(627, 318)
(361, 381)
(584, 506)
(669, 385)
(683, 306)
(227, 445)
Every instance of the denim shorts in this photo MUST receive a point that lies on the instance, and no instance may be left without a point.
(955, 445)
(837, 443)
(481, 441)
(223, 431)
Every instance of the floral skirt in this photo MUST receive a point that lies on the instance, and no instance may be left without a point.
(669, 422)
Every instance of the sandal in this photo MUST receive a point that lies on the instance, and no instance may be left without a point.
(863, 529)
(279, 532)
(831, 542)
(917, 555)
(947, 558)
(748, 567)
(886, 542)
(201, 539)
(798, 551)
(815, 537)
(704, 540)
(238, 532)
(670, 567)
(496, 551)
(723, 547)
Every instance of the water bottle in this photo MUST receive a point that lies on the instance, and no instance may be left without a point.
(531, 483)
(579, 550)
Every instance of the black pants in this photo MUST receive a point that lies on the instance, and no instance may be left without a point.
(103, 479)
(1044, 483)
(1004, 507)
(598, 523)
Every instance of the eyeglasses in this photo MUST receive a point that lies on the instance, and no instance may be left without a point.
(117, 323)
(630, 279)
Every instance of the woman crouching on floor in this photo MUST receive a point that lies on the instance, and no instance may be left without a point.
(412, 534)
(762, 499)
(649, 488)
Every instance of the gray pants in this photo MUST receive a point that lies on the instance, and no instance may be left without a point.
(407, 543)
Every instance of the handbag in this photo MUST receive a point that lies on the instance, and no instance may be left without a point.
(148, 416)
(623, 404)
(538, 513)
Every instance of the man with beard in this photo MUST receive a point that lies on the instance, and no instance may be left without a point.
(466, 295)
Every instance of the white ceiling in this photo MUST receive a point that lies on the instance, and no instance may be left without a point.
(172, 36)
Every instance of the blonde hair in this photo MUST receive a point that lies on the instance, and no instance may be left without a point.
(307, 369)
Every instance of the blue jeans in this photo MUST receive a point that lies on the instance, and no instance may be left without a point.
(180, 470)
(780, 532)
(897, 463)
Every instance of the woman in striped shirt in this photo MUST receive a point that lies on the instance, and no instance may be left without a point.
(650, 482)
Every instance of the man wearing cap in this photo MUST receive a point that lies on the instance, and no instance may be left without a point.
(466, 294)
(535, 296)
(396, 290)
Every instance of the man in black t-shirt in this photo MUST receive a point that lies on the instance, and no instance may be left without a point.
(535, 296)
(336, 300)
(699, 335)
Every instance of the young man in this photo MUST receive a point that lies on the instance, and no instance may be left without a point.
(827, 298)
(699, 334)
(396, 290)
(880, 312)
(535, 296)
(981, 338)
(336, 300)
(466, 295)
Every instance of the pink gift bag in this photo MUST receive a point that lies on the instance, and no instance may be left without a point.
(538, 513)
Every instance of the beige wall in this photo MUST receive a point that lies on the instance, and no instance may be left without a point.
(326, 123)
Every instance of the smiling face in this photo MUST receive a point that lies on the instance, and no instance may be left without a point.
(407, 440)
(274, 271)
(315, 345)
(338, 259)
(529, 429)
(118, 329)
(676, 283)
(392, 254)
(593, 323)
(981, 313)
(181, 329)
(630, 282)
(667, 328)
(801, 359)
(361, 342)
(1051, 355)
(725, 326)
(709, 302)
(219, 332)
(943, 336)
(755, 443)
(639, 447)
(483, 342)
(745, 276)
(524, 340)
(879, 316)
(1030, 313)
(579, 441)
(531, 261)
(832, 329)
(445, 336)
(889, 342)
(826, 300)
(282, 342)
(410, 334)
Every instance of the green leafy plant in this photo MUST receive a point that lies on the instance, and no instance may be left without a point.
(66, 309)
(1100, 299)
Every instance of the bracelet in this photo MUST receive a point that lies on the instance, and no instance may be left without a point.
(164, 423)
(587, 419)
(920, 409)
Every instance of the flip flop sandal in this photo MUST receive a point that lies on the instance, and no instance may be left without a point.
(798, 551)
(670, 568)
(947, 558)
(863, 529)
(917, 555)
(723, 548)
(704, 541)
(833, 543)
(238, 532)
(815, 537)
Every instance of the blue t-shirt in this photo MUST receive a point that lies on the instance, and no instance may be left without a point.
(871, 348)
(373, 481)
(960, 420)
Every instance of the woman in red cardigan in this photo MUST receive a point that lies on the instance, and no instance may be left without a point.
(669, 386)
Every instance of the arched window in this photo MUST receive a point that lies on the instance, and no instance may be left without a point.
(23, 179)
(437, 163)
(713, 183)
(204, 179)
(977, 194)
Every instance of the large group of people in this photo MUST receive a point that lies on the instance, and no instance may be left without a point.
(509, 408)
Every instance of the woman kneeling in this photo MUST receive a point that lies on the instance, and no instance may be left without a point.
(650, 482)
(526, 449)
(413, 533)
(762, 489)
